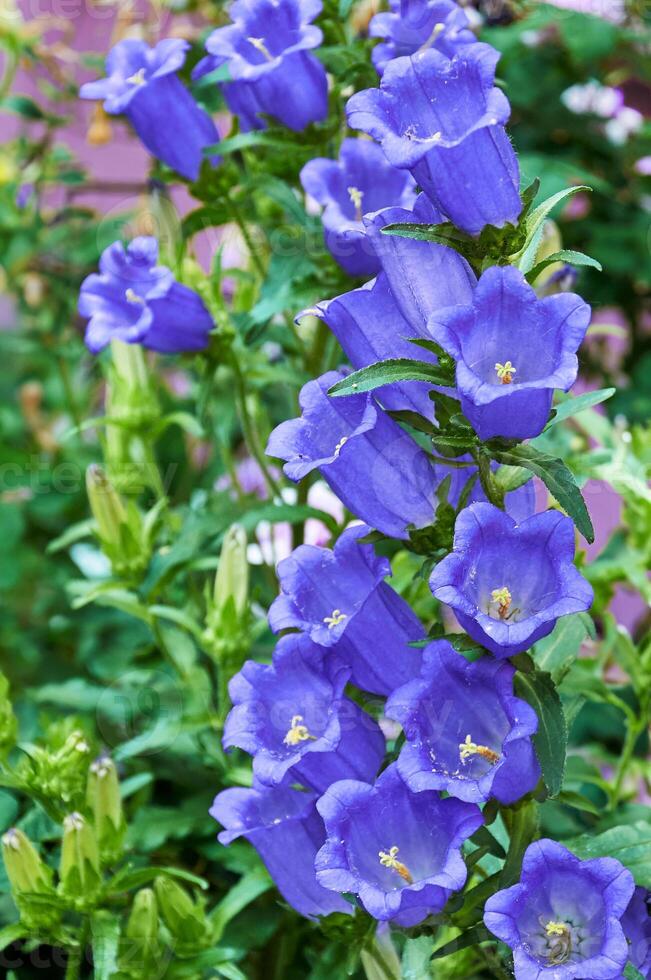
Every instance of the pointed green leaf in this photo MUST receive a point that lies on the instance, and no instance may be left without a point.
(567, 255)
(388, 372)
(535, 221)
(572, 406)
(550, 741)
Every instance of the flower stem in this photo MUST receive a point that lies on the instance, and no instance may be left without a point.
(248, 429)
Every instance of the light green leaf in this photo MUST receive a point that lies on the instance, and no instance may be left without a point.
(105, 933)
(566, 255)
(630, 844)
(558, 651)
(248, 888)
(527, 257)
(389, 371)
(572, 406)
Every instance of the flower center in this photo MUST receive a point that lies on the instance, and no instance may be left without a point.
(297, 732)
(260, 46)
(438, 29)
(505, 372)
(340, 445)
(560, 942)
(138, 77)
(502, 599)
(469, 748)
(132, 297)
(337, 617)
(388, 859)
(356, 197)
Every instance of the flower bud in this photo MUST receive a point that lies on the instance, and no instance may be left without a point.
(141, 945)
(232, 579)
(184, 918)
(105, 802)
(79, 867)
(28, 876)
(119, 525)
(24, 866)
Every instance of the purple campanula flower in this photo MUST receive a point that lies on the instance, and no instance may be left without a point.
(636, 923)
(414, 25)
(508, 583)
(373, 466)
(512, 350)
(135, 300)
(443, 120)
(339, 599)
(422, 276)
(466, 731)
(266, 48)
(399, 851)
(563, 919)
(284, 827)
(292, 716)
(361, 180)
(142, 83)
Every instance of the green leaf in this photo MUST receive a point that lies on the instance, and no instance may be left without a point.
(471, 937)
(535, 222)
(345, 6)
(550, 741)
(127, 879)
(245, 141)
(579, 802)
(630, 844)
(413, 419)
(557, 652)
(555, 475)
(105, 933)
(11, 934)
(389, 371)
(567, 255)
(632, 973)
(572, 406)
(248, 888)
(22, 106)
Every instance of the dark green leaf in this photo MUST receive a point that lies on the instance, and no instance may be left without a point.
(579, 802)
(630, 844)
(632, 973)
(388, 372)
(413, 419)
(472, 937)
(556, 477)
(550, 741)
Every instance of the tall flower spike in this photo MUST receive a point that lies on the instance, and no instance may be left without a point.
(142, 84)
(511, 397)
(564, 917)
(292, 716)
(466, 732)
(361, 180)
(369, 826)
(535, 558)
(349, 581)
(443, 120)
(267, 50)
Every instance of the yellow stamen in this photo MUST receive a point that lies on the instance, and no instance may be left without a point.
(131, 296)
(388, 859)
(505, 372)
(356, 197)
(556, 929)
(337, 617)
(340, 445)
(502, 599)
(260, 46)
(470, 748)
(138, 77)
(297, 732)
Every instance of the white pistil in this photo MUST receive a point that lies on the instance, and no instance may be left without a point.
(260, 46)
(438, 29)
(337, 617)
(505, 372)
(131, 296)
(138, 77)
(356, 197)
(297, 732)
(468, 748)
(388, 859)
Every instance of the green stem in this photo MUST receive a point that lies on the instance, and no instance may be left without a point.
(248, 240)
(494, 493)
(633, 733)
(76, 954)
(248, 429)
